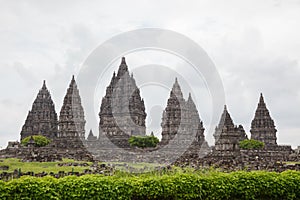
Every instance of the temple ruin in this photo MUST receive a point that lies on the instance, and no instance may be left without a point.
(262, 126)
(122, 114)
(122, 111)
(227, 135)
(42, 118)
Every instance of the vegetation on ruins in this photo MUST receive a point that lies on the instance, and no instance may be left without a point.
(251, 144)
(143, 141)
(39, 140)
(174, 184)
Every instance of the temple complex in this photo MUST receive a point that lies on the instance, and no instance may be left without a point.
(42, 118)
(122, 114)
(262, 126)
(122, 111)
(71, 119)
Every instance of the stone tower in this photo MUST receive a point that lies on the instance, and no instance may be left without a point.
(173, 114)
(193, 124)
(262, 126)
(71, 118)
(42, 119)
(227, 135)
(122, 111)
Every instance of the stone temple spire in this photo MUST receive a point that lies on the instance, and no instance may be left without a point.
(262, 126)
(225, 121)
(227, 135)
(193, 122)
(122, 111)
(42, 119)
(71, 119)
(172, 114)
(194, 115)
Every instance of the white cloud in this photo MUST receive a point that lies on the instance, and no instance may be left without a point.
(255, 45)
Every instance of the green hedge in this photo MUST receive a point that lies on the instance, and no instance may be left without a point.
(213, 185)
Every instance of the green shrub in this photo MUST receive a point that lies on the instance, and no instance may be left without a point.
(39, 140)
(176, 185)
(251, 144)
(143, 141)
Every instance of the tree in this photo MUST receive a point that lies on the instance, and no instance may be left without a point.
(143, 141)
(251, 144)
(39, 140)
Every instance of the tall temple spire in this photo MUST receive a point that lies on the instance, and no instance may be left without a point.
(71, 119)
(122, 111)
(193, 120)
(262, 126)
(42, 119)
(172, 115)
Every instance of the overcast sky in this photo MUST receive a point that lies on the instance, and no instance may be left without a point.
(255, 46)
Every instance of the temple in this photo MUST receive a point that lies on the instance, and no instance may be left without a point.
(172, 114)
(122, 111)
(71, 118)
(227, 135)
(181, 119)
(42, 118)
(262, 126)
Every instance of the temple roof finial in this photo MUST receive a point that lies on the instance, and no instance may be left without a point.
(122, 68)
(261, 99)
(123, 60)
(44, 85)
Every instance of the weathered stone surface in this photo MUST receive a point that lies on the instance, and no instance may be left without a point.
(262, 126)
(172, 114)
(71, 118)
(181, 119)
(42, 118)
(122, 111)
(227, 135)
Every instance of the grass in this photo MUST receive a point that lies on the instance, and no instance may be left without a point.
(290, 163)
(38, 167)
(124, 166)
